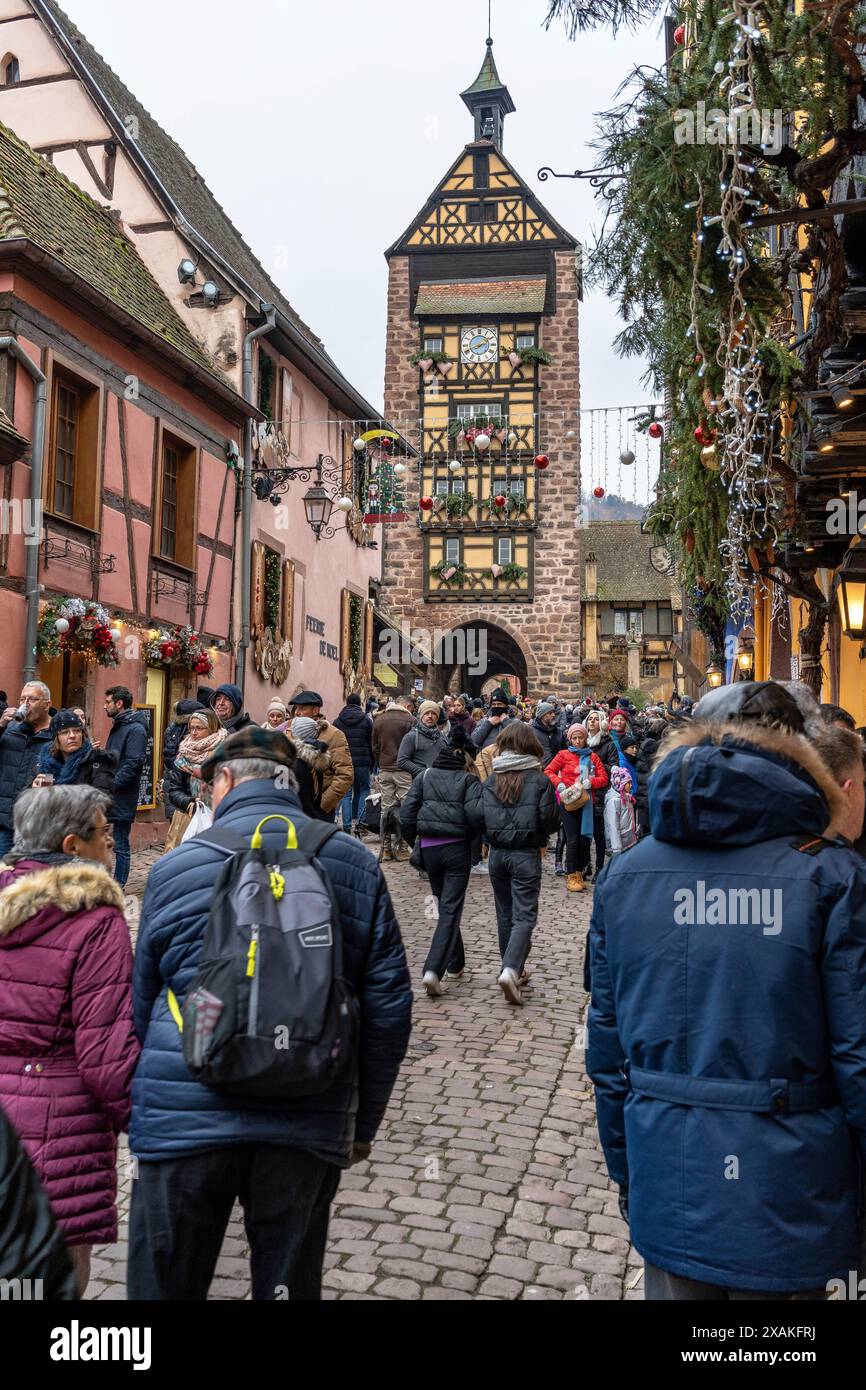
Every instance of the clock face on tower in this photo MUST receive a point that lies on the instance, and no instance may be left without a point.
(479, 345)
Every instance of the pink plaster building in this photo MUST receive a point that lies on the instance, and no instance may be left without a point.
(301, 608)
(131, 524)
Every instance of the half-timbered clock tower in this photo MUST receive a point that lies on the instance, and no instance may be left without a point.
(482, 367)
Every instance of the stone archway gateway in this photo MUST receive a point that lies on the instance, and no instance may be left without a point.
(470, 654)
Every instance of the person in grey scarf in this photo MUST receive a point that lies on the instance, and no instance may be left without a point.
(420, 746)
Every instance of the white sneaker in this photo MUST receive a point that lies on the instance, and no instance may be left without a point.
(479, 869)
(510, 985)
(454, 974)
(432, 985)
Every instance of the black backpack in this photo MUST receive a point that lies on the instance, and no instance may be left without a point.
(268, 1012)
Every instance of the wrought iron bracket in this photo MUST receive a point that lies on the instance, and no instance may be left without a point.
(600, 179)
(77, 553)
(169, 586)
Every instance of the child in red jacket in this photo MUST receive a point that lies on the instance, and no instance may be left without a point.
(577, 765)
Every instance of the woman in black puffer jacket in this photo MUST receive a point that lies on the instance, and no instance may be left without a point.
(437, 810)
(655, 732)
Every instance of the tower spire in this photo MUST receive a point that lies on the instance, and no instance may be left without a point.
(488, 98)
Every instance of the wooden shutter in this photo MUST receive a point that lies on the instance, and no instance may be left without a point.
(345, 629)
(287, 623)
(367, 644)
(257, 588)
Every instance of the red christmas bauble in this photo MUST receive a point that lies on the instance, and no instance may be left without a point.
(500, 500)
(598, 492)
(426, 504)
(680, 34)
(542, 461)
(704, 435)
(655, 431)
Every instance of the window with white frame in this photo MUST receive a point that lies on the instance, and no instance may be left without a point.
(452, 551)
(442, 487)
(504, 550)
(469, 410)
(525, 340)
(649, 670)
(432, 342)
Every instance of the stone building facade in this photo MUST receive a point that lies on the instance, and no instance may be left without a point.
(482, 368)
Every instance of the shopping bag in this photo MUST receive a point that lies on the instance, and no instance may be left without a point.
(201, 819)
(179, 822)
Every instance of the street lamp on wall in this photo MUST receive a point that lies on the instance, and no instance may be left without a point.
(715, 675)
(851, 591)
(270, 484)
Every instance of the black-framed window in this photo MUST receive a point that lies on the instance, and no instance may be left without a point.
(626, 618)
(473, 213)
(481, 170)
(491, 212)
(11, 71)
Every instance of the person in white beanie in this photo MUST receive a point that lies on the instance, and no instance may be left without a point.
(276, 714)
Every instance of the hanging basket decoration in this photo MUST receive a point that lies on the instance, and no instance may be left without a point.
(77, 625)
(181, 647)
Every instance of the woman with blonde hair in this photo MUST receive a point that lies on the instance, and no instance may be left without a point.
(204, 735)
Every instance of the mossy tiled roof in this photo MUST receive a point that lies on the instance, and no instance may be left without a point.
(624, 572)
(501, 296)
(177, 172)
(41, 205)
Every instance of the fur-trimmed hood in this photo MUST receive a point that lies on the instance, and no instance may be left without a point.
(739, 783)
(315, 755)
(66, 888)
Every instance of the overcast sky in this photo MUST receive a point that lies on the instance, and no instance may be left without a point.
(322, 128)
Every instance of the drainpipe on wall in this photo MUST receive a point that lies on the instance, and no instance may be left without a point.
(247, 506)
(31, 573)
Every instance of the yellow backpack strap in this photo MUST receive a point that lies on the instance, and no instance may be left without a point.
(291, 838)
(175, 1009)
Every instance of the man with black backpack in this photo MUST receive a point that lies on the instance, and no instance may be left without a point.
(273, 1003)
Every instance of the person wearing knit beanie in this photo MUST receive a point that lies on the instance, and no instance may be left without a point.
(276, 714)
(303, 729)
(429, 707)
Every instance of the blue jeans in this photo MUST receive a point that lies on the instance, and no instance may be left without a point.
(122, 858)
(350, 806)
(5, 842)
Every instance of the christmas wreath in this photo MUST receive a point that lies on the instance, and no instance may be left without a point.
(181, 646)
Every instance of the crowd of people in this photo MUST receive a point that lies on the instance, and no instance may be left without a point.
(727, 949)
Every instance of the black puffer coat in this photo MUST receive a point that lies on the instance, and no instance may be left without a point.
(97, 769)
(358, 728)
(441, 800)
(21, 747)
(525, 825)
(128, 742)
(655, 731)
(550, 738)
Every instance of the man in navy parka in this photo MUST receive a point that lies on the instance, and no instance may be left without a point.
(727, 1030)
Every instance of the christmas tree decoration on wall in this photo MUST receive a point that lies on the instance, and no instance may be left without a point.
(680, 34)
(655, 430)
(426, 504)
(455, 466)
(627, 458)
(598, 492)
(542, 461)
(710, 458)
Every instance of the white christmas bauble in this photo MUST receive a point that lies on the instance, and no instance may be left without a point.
(116, 634)
(62, 625)
(512, 440)
(359, 446)
(344, 504)
(482, 441)
(399, 469)
(455, 466)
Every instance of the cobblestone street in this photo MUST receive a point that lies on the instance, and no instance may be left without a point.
(486, 1180)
